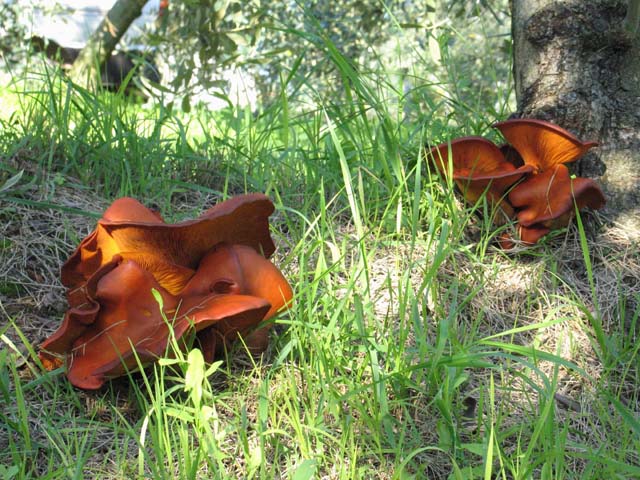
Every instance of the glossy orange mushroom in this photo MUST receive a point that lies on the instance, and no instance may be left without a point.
(211, 274)
(536, 153)
(171, 251)
(239, 270)
(478, 166)
(541, 144)
(130, 323)
(547, 201)
(83, 311)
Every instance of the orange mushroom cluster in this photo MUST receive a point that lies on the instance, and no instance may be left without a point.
(135, 281)
(526, 179)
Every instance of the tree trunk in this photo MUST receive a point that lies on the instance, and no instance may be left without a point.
(576, 64)
(86, 69)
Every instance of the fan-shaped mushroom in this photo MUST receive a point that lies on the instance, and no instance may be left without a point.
(172, 251)
(541, 144)
(130, 324)
(536, 150)
(210, 273)
(547, 201)
(479, 166)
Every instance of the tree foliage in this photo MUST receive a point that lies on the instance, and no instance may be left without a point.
(11, 31)
(416, 43)
(199, 37)
(272, 40)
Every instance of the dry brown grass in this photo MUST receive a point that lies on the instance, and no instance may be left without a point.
(540, 285)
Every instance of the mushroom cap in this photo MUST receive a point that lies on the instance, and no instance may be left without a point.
(238, 270)
(130, 324)
(479, 166)
(542, 144)
(82, 312)
(547, 199)
(475, 158)
(210, 273)
(172, 251)
(232, 291)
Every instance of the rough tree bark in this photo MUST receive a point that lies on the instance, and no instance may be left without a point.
(577, 63)
(86, 68)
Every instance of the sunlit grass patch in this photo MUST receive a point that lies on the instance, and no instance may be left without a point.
(415, 346)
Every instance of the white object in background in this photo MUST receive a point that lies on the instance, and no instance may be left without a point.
(71, 22)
